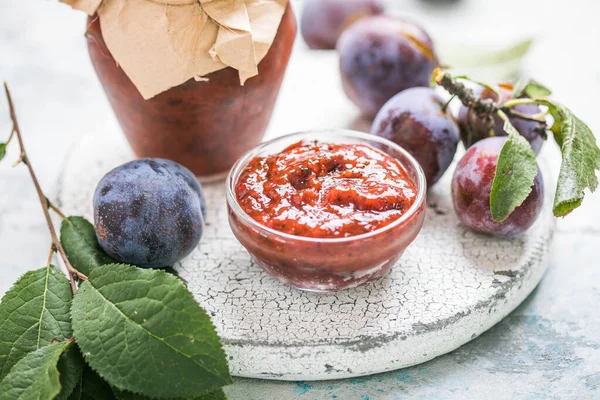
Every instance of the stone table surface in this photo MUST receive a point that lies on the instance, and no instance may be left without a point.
(549, 348)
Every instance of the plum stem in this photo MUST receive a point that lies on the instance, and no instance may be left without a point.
(51, 255)
(447, 104)
(12, 133)
(55, 209)
(465, 94)
(46, 204)
(482, 107)
(515, 102)
(517, 114)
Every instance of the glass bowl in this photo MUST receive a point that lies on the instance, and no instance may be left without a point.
(327, 264)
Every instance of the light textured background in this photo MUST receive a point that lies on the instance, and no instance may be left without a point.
(549, 348)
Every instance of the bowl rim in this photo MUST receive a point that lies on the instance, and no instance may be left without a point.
(241, 163)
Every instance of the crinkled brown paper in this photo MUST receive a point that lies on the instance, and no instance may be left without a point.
(164, 43)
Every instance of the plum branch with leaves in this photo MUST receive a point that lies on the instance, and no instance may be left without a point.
(46, 203)
(65, 338)
(517, 165)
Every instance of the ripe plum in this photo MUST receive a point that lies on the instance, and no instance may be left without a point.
(471, 186)
(416, 120)
(323, 21)
(381, 56)
(149, 212)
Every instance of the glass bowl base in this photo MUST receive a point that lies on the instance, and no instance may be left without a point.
(324, 281)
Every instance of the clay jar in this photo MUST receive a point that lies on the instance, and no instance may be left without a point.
(207, 125)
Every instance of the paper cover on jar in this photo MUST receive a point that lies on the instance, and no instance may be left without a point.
(164, 43)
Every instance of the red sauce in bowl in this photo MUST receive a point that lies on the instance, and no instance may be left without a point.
(324, 190)
(332, 210)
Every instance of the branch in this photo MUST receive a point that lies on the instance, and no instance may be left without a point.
(51, 255)
(466, 95)
(46, 205)
(55, 209)
(482, 107)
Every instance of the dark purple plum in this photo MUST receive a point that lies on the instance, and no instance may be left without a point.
(323, 21)
(149, 212)
(381, 56)
(471, 187)
(473, 129)
(416, 120)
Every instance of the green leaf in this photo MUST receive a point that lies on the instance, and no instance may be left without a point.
(78, 238)
(519, 87)
(70, 368)
(531, 88)
(35, 376)
(91, 387)
(483, 63)
(580, 158)
(515, 171)
(477, 56)
(2, 150)
(34, 313)
(216, 395)
(143, 332)
(536, 89)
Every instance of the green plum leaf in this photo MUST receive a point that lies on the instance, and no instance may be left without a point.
(143, 332)
(515, 171)
(535, 89)
(78, 238)
(35, 376)
(580, 158)
(478, 56)
(216, 395)
(2, 150)
(90, 386)
(519, 87)
(531, 88)
(70, 368)
(34, 313)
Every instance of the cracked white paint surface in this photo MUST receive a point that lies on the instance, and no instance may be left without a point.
(449, 287)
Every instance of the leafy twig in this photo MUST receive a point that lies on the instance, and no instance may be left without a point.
(465, 94)
(483, 107)
(55, 209)
(46, 204)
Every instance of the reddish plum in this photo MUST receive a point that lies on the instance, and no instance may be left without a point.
(416, 120)
(381, 56)
(323, 21)
(471, 186)
(474, 129)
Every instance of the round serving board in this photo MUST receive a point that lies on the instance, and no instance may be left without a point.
(449, 287)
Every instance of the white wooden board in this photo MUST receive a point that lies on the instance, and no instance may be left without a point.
(449, 287)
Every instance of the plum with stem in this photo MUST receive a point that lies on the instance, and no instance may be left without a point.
(473, 128)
